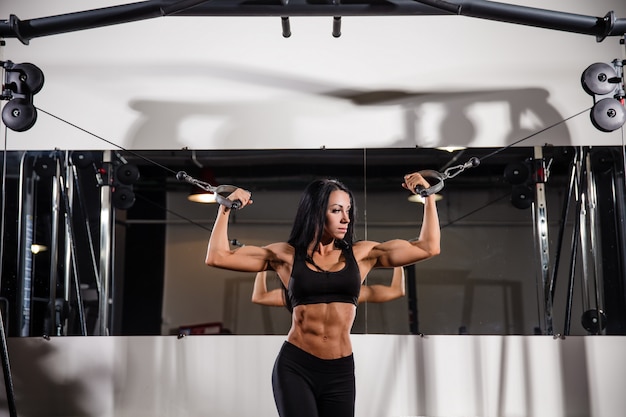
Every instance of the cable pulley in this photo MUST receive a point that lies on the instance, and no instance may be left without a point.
(608, 115)
(127, 174)
(594, 321)
(123, 198)
(436, 179)
(605, 83)
(599, 78)
(19, 114)
(21, 83)
(23, 78)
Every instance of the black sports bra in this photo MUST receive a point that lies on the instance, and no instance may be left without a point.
(311, 287)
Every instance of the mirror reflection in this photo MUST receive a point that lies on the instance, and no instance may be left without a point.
(110, 242)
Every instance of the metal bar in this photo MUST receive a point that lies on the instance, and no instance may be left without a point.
(6, 367)
(67, 191)
(286, 26)
(576, 177)
(54, 254)
(106, 224)
(594, 243)
(382, 224)
(25, 30)
(25, 240)
(85, 215)
(584, 238)
(572, 273)
(70, 251)
(540, 215)
(564, 216)
(336, 26)
(601, 27)
(411, 290)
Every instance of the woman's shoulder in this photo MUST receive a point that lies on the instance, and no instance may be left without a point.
(281, 249)
(361, 244)
(362, 248)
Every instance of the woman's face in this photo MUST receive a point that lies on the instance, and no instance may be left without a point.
(337, 215)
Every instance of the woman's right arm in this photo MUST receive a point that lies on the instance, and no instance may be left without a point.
(244, 259)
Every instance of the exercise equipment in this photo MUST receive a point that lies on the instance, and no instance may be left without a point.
(221, 191)
(21, 83)
(436, 179)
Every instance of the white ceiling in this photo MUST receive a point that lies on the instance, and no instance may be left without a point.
(236, 82)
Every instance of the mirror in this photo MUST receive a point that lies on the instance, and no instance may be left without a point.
(516, 232)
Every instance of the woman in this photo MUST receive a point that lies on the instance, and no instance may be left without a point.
(323, 270)
(375, 293)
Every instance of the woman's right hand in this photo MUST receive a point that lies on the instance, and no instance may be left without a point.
(241, 195)
(411, 181)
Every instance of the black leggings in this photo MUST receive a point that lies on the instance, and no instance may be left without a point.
(307, 386)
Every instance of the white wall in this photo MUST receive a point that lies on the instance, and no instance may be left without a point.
(229, 376)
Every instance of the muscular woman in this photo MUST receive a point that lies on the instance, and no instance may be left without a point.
(323, 269)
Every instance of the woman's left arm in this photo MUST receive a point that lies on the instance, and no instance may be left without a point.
(260, 294)
(377, 293)
(400, 252)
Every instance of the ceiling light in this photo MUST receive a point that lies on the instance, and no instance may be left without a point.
(35, 248)
(451, 148)
(200, 195)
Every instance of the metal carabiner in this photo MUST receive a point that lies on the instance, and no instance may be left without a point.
(440, 177)
(221, 191)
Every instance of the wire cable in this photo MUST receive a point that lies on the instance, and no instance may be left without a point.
(107, 141)
(437, 178)
(450, 223)
(8, 379)
(534, 134)
(450, 171)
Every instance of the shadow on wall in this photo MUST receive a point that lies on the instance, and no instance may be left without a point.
(476, 118)
(234, 125)
(44, 380)
(431, 119)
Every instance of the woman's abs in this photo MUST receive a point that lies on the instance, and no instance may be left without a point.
(323, 330)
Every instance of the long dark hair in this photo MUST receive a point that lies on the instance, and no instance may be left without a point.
(308, 225)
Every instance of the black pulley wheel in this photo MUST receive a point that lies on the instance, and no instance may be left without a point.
(30, 75)
(123, 198)
(599, 79)
(522, 196)
(82, 159)
(516, 173)
(19, 115)
(608, 114)
(45, 167)
(127, 174)
(593, 320)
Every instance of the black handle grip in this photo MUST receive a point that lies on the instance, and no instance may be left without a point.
(434, 178)
(235, 205)
(423, 191)
(221, 193)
